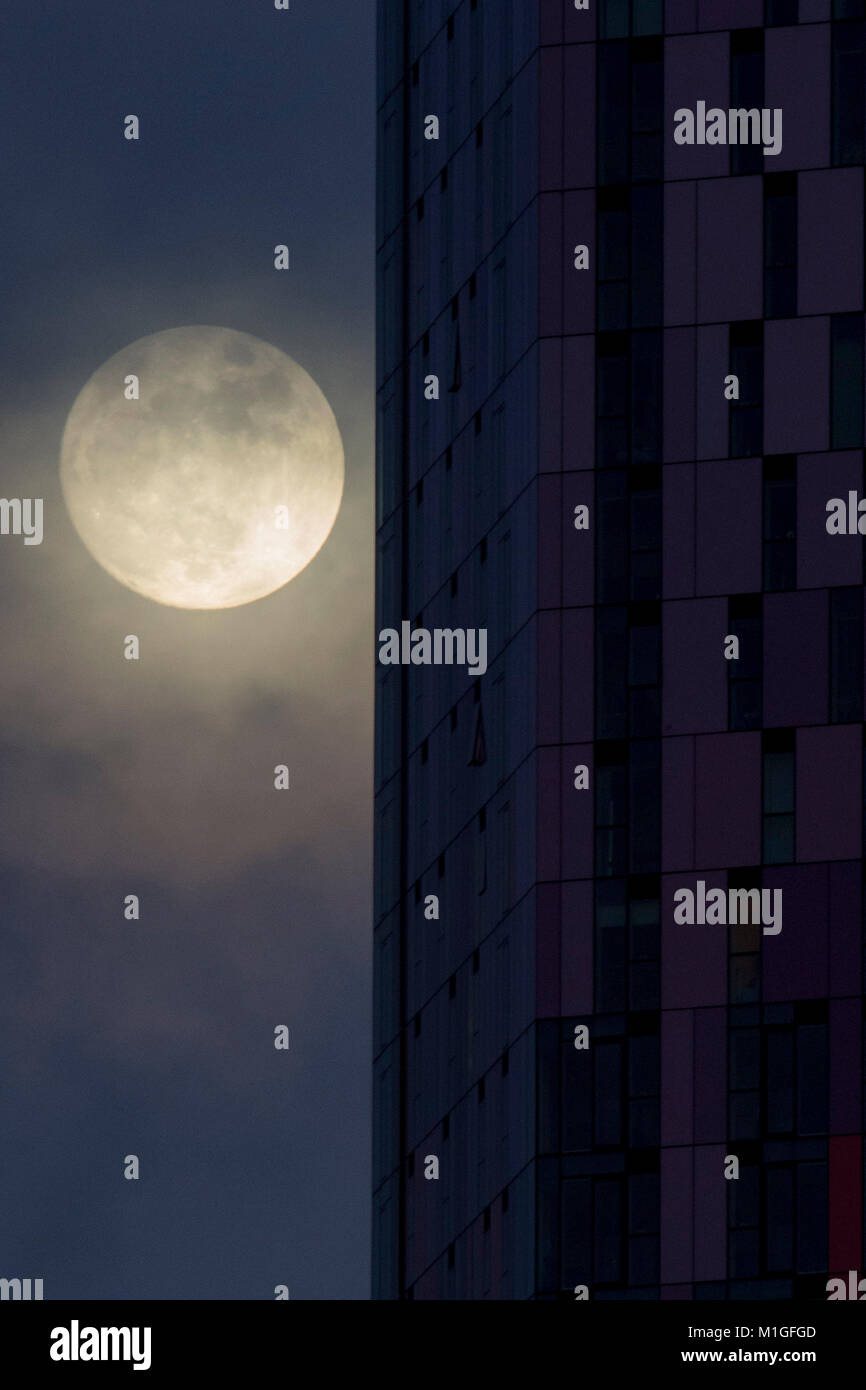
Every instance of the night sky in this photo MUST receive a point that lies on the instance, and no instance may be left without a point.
(155, 777)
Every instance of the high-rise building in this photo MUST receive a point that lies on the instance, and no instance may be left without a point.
(579, 1090)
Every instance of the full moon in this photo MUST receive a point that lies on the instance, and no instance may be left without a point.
(218, 484)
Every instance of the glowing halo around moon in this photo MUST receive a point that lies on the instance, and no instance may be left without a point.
(219, 484)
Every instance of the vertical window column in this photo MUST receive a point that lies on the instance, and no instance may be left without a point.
(780, 523)
(745, 676)
(746, 413)
(780, 246)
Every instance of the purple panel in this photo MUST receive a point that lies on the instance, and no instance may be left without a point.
(711, 1075)
(577, 675)
(695, 678)
(728, 800)
(680, 225)
(681, 16)
(694, 958)
(813, 11)
(579, 27)
(578, 547)
(796, 385)
(696, 69)
(578, 411)
(550, 539)
(550, 119)
(795, 658)
(550, 21)
(547, 812)
(794, 963)
(548, 683)
(711, 1213)
(550, 405)
(577, 948)
(830, 277)
(672, 1292)
(846, 1087)
(730, 14)
(578, 309)
(824, 560)
(678, 530)
(729, 527)
(797, 61)
(730, 214)
(676, 1215)
(846, 915)
(678, 804)
(678, 385)
(712, 408)
(677, 1077)
(550, 264)
(829, 792)
(547, 963)
(577, 814)
(578, 138)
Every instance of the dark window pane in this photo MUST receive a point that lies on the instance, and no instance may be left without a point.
(778, 845)
(846, 380)
(778, 783)
(846, 655)
(647, 17)
(779, 1220)
(848, 93)
(780, 1082)
(745, 705)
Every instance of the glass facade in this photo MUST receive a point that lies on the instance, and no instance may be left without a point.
(524, 907)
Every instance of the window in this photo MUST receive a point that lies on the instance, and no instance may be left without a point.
(747, 92)
(778, 796)
(611, 811)
(780, 245)
(644, 942)
(745, 676)
(612, 102)
(611, 667)
(646, 396)
(780, 523)
(645, 803)
(780, 12)
(746, 414)
(848, 93)
(647, 259)
(744, 977)
(846, 656)
(645, 533)
(644, 669)
(613, 257)
(846, 381)
(611, 538)
(647, 107)
(646, 18)
(612, 399)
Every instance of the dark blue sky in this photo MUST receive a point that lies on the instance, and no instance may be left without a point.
(156, 1037)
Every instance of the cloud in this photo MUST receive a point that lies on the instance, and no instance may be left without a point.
(166, 764)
